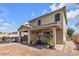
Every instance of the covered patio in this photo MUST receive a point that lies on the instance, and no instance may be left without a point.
(46, 34)
(23, 34)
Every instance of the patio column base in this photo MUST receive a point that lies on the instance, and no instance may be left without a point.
(59, 47)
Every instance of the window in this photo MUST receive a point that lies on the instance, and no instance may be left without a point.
(57, 17)
(25, 31)
(39, 22)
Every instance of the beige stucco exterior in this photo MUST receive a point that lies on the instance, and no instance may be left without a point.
(48, 22)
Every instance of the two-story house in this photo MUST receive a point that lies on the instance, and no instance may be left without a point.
(51, 26)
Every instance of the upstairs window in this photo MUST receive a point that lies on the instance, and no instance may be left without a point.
(39, 22)
(57, 17)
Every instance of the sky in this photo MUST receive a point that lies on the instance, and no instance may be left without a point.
(13, 15)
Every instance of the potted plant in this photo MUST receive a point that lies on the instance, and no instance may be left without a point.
(33, 42)
(50, 43)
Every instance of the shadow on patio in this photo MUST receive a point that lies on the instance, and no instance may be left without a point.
(39, 46)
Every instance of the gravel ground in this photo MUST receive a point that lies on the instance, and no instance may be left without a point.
(16, 49)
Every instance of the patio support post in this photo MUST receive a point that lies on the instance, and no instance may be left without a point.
(19, 36)
(54, 36)
(34, 35)
(29, 37)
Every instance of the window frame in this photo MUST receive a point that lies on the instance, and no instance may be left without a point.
(39, 22)
(56, 17)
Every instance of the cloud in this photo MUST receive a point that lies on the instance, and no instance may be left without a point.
(55, 6)
(5, 26)
(13, 23)
(1, 19)
(44, 11)
(26, 23)
(72, 14)
(72, 11)
(33, 14)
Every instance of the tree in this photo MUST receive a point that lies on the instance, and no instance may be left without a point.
(1, 32)
(70, 32)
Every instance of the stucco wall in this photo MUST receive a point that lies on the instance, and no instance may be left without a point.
(46, 20)
(59, 38)
(61, 34)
